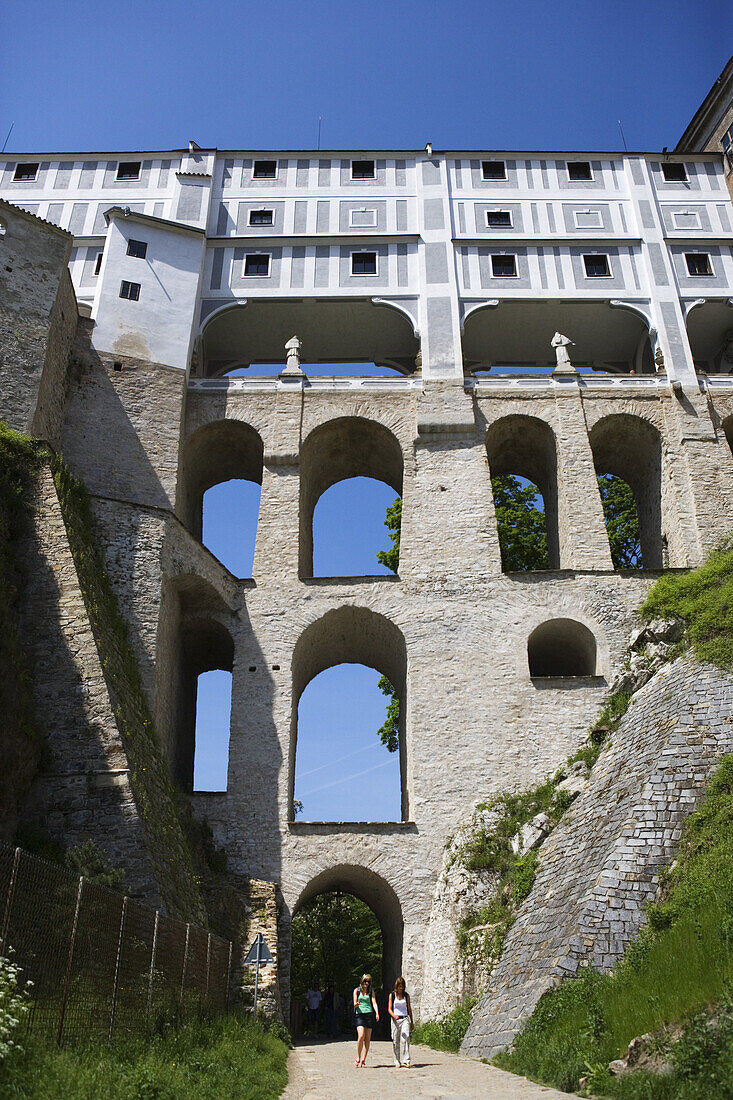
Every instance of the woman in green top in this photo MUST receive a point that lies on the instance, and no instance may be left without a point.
(365, 1012)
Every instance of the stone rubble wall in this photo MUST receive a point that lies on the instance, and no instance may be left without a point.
(602, 864)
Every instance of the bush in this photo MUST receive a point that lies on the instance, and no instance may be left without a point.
(447, 1032)
(14, 1005)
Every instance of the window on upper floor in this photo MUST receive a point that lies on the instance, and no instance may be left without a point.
(25, 173)
(698, 263)
(362, 170)
(493, 169)
(588, 219)
(596, 265)
(131, 291)
(499, 219)
(504, 266)
(128, 170)
(261, 217)
(257, 263)
(674, 172)
(579, 170)
(363, 263)
(264, 170)
(686, 219)
(363, 218)
(727, 142)
(98, 263)
(138, 249)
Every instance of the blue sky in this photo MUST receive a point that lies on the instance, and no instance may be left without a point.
(463, 74)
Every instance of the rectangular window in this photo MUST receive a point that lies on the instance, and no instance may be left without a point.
(264, 170)
(98, 263)
(674, 172)
(261, 217)
(362, 170)
(257, 263)
(364, 219)
(493, 169)
(138, 249)
(597, 266)
(363, 263)
(588, 219)
(698, 263)
(130, 290)
(128, 170)
(25, 172)
(579, 170)
(686, 219)
(499, 219)
(504, 267)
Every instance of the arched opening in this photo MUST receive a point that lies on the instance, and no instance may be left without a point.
(349, 528)
(350, 636)
(339, 450)
(710, 332)
(341, 331)
(521, 452)
(211, 732)
(221, 477)
(629, 448)
(561, 648)
(507, 337)
(378, 895)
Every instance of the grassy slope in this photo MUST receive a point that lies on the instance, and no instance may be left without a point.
(682, 965)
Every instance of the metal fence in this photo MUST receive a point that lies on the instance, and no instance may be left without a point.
(100, 963)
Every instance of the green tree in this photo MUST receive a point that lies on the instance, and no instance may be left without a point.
(622, 521)
(521, 524)
(389, 732)
(335, 938)
(393, 523)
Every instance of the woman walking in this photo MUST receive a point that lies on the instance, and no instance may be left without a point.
(365, 1011)
(400, 1010)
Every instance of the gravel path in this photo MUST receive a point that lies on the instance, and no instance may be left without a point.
(326, 1071)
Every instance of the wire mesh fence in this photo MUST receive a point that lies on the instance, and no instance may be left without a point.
(100, 963)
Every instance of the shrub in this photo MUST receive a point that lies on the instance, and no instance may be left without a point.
(447, 1032)
(14, 1005)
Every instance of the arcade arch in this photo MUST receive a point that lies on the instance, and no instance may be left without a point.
(561, 648)
(710, 332)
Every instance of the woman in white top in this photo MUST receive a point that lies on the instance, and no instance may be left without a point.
(400, 1010)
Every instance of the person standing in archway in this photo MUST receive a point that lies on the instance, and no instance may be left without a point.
(365, 1013)
(400, 1010)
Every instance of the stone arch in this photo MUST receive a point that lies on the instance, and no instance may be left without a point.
(216, 452)
(561, 648)
(351, 635)
(346, 447)
(525, 446)
(710, 332)
(631, 448)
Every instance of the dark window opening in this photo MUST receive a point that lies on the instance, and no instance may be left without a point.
(493, 169)
(503, 267)
(561, 648)
(264, 170)
(25, 172)
(698, 263)
(130, 291)
(129, 170)
(362, 169)
(596, 266)
(363, 263)
(496, 219)
(98, 263)
(261, 217)
(579, 170)
(257, 264)
(138, 249)
(674, 172)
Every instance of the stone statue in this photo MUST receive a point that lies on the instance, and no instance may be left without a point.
(659, 361)
(561, 343)
(292, 363)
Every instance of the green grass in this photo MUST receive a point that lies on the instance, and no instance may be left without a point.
(447, 1032)
(208, 1060)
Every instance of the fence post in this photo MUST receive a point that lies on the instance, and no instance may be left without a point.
(69, 962)
(113, 1007)
(152, 965)
(183, 971)
(229, 978)
(208, 971)
(9, 899)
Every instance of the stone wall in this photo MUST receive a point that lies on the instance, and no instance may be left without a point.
(602, 864)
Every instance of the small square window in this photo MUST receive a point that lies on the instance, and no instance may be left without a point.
(698, 263)
(596, 266)
(579, 170)
(504, 267)
(493, 169)
(257, 263)
(25, 172)
(130, 290)
(264, 170)
(128, 170)
(362, 170)
(261, 217)
(138, 249)
(499, 219)
(98, 263)
(363, 263)
(674, 172)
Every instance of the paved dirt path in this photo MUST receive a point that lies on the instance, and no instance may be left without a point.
(326, 1071)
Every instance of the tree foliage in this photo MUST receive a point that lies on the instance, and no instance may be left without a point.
(389, 731)
(336, 938)
(622, 521)
(393, 523)
(521, 524)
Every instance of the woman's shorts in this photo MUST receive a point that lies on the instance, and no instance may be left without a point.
(364, 1019)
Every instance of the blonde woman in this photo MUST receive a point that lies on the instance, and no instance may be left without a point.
(400, 1010)
(365, 1012)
